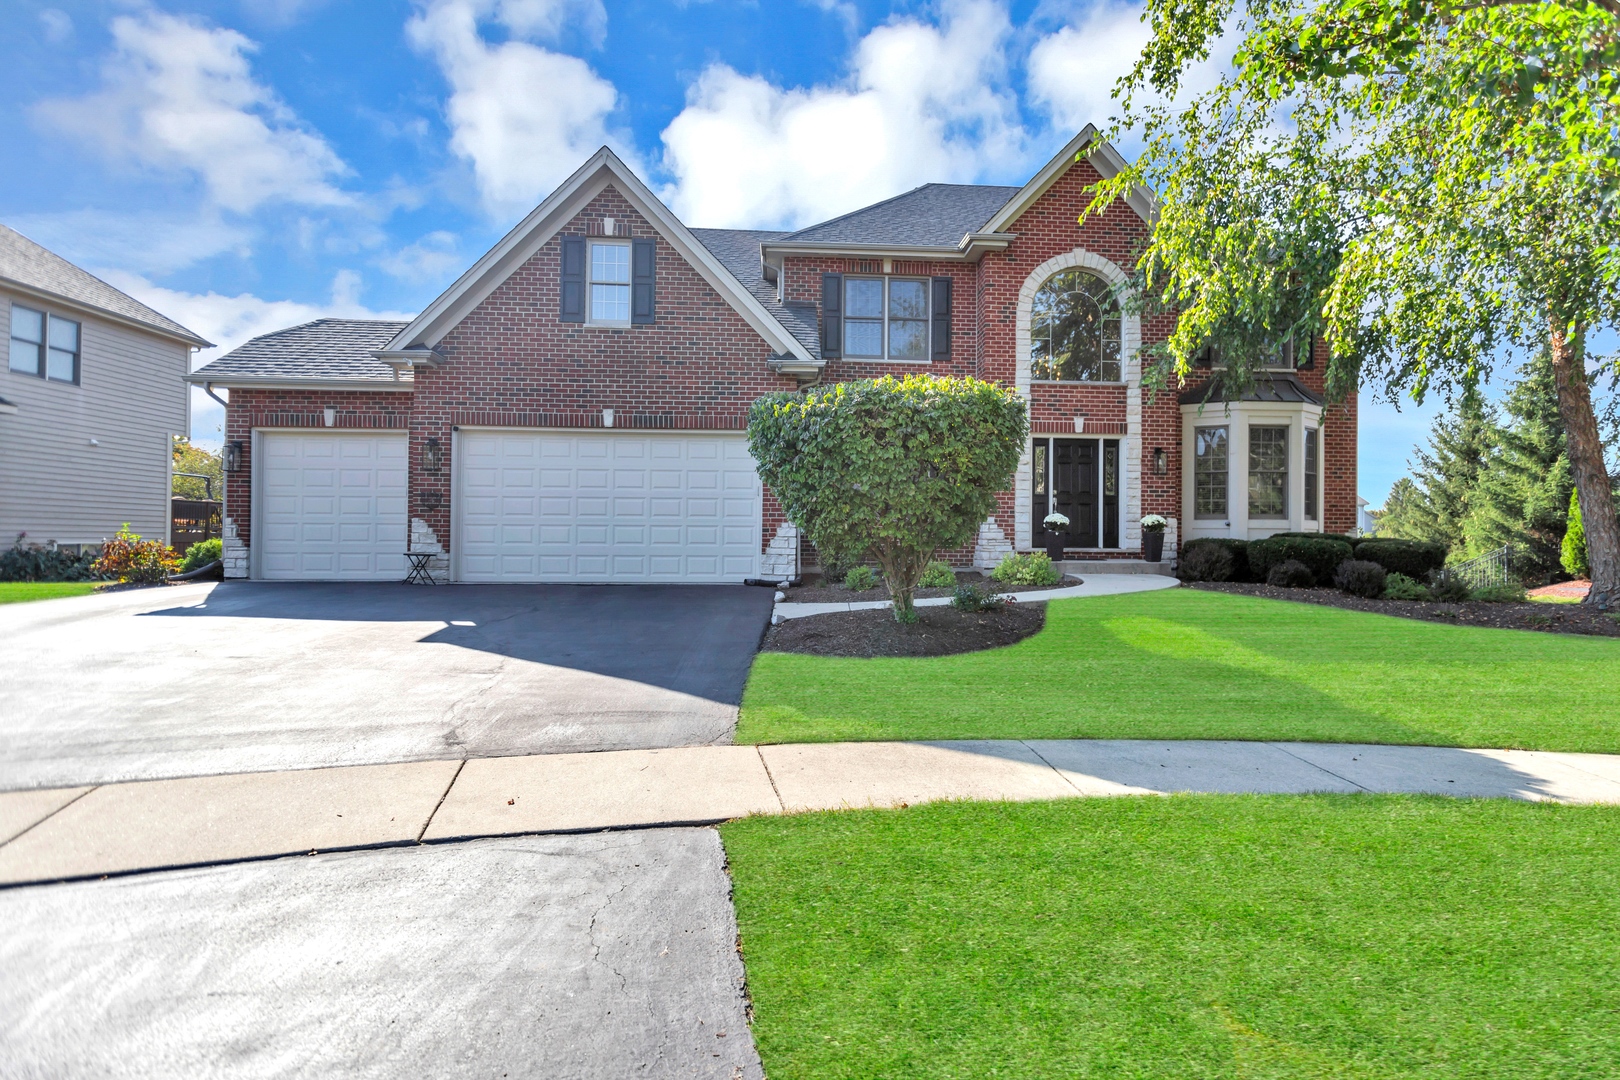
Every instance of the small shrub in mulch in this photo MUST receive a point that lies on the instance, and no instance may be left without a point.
(1206, 562)
(938, 631)
(1358, 577)
(1401, 587)
(1548, 618)
(1290, 574)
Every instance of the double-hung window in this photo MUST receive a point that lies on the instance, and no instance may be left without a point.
(885, 318)
(44, 345)
(1311, 469)
(1268, 472)
(610, 283)
(1209, 472)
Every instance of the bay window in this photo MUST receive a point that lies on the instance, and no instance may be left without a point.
(1268, 472)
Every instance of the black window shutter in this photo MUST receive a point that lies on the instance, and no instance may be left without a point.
(572, 288)
(1305, 358)
(643, 294)
(942, 318)
(832, 315)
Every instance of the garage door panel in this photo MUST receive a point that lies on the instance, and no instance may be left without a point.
(334, 507)
(607, 507)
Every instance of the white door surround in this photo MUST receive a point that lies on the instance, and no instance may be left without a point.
(329, 505)
(604, 506)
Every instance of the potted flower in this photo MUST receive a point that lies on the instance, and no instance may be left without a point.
(1057, 530)
(1153, 537)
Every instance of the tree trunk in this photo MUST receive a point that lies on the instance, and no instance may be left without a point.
(901, 571)
(1586, 463)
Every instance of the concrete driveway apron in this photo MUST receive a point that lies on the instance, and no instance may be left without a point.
(250, 676)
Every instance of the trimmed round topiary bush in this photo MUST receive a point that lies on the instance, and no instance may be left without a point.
(1358, 577)
(1320, 554)
(1416, 559)
(1205, 562)
(1238, 549)
(1401, 587)
(1291, 574)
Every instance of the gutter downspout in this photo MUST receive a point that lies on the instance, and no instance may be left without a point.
(208, 388)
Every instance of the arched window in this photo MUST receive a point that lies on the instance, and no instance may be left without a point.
(1075, 330)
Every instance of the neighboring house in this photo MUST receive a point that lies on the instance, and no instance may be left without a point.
(573, 407)
(93, 394)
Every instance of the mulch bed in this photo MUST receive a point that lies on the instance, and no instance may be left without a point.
(815, 591)
(1550, 618)
(938, 631)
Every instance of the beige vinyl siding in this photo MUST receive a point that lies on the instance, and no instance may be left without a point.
(54, 485)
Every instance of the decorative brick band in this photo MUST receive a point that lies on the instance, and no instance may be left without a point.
(1066, 427)
(621, 420)
(342, 419)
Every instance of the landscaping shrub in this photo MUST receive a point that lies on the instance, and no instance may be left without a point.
(937, 575)
(202, 553)
(1205, 562)
(32, 562)
(899, 468)
(1358, 577)
(1572, 552)
(860, 578)
(1447, 587)
(1414, 558)
(129, 558)
(834, 567)
(1401, 587)
(976, 598)
(1499, 594)
(1238, 549)
(1291, 574)
(1320, 554)
(1032, 569)
(1315, 536)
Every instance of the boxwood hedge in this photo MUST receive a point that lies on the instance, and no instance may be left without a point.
(1322, 554)
(1414, 558)
(1238, 548)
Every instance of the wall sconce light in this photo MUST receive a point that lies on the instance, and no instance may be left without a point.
(233, 456)
(432, 455)
(1161, 461)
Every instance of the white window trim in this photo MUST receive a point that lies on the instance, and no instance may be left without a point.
(590, 281)
(1194, 516)
(928, 319)
(1239, 416)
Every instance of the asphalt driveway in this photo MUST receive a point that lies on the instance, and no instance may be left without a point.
(611, 955)
(253, 676)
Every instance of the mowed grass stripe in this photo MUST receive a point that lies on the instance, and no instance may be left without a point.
(1185, 664)
(1191, 936)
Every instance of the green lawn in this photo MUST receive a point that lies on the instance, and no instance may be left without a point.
(1186, 664)
(12, 592)
(1195, 936)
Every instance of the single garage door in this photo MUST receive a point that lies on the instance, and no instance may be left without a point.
(533, 506)
(332, 507)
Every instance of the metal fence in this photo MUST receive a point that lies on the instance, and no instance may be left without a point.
(1491, 568)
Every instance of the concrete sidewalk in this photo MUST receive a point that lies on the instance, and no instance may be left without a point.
(89, 832)
(1095, 585)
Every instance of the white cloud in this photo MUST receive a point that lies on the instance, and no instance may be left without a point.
(435, 257)
(181, 96)
(523, 116)
(1073, 71)
(923, 101)
(57, 24)
(228, 321)
(146, 241)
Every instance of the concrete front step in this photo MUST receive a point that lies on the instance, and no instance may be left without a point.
(1082, 567)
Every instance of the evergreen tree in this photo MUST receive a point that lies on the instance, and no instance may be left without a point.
(1522, 495)
(1574, 554)
(1435, 507)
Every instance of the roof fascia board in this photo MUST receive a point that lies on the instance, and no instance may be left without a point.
(94, 311)
(1104, 158)
(293, 382)
(537, 229)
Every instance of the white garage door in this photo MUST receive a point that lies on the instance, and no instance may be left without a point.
(332, 507)
(605, 508)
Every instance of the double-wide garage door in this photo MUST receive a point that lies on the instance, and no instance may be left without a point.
(534, 506)
(333, 507)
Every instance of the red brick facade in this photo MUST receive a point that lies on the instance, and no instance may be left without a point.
(512, 362)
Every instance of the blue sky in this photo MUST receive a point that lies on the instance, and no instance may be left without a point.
(249, 164)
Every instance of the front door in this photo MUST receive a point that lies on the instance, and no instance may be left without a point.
(1078, 478)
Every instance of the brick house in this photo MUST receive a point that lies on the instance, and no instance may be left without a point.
(572, 407)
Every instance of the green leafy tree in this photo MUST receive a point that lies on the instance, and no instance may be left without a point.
(892, 468)
(1446, 474)
(1418, 183)
(194, 459)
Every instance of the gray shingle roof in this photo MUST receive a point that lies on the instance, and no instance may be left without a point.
(323, 349)
(26, 263)
(934, 215)
(1271, 388)
(738, 251)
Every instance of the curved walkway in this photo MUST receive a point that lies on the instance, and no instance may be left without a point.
(62, 834)
(1095, 585)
